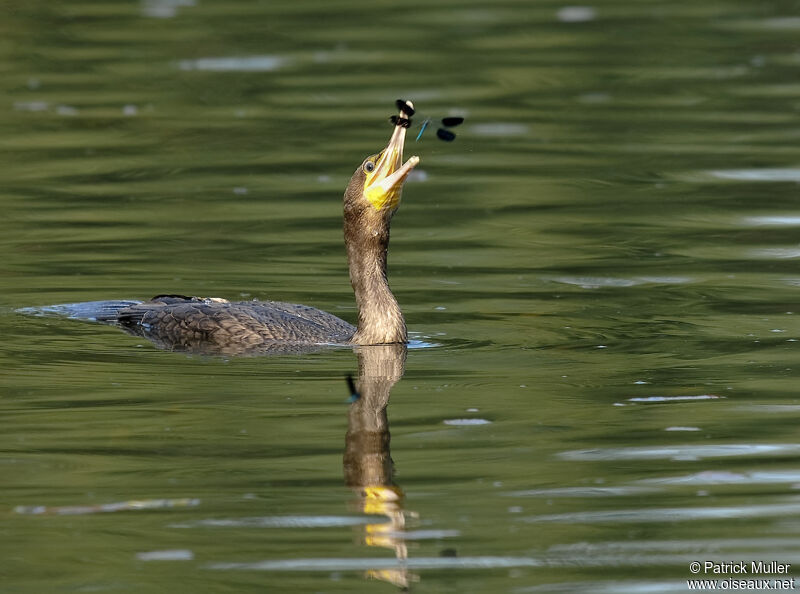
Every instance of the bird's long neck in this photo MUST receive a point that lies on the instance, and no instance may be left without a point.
(380, 320)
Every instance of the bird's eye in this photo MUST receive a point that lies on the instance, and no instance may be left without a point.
(369, 166)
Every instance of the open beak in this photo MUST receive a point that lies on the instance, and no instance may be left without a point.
(384, 184)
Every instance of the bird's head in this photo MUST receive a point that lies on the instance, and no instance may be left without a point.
(378, 182)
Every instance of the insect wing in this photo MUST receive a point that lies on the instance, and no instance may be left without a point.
(452, 121)
(404, 106)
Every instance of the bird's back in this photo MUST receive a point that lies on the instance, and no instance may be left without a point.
(215, 325)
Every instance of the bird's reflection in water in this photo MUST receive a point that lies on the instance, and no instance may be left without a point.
(368, 466)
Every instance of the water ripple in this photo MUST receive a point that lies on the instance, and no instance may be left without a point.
(501, 129)
(769, 220)
(361, 564)
(786, 253)
(584, 492)
(105, 508)
(716, 477)
(169, 555)
(466, 422)
(598, 282)
(763, 175)
(235, 64)
(670, 546)
(687, 452)
(280, 522)
(672, 514)
(661, 399)
(772, 408)
(610, 587)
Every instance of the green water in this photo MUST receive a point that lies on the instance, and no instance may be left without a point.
(606, 259)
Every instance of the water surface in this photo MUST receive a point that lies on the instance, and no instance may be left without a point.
(605, 258)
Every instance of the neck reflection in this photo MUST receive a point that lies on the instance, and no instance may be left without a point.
(368, 466)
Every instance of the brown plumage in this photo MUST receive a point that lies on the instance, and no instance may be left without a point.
(366, 237)
(217, 326)
(211, 325)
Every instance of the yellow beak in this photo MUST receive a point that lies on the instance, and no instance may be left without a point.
(384, 183)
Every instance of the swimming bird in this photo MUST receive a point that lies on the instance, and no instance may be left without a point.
(214, 325)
